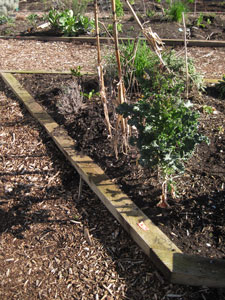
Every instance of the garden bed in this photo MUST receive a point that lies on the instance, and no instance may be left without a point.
(204, 26)
(195, 221)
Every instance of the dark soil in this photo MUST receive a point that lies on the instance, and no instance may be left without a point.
(195, 222)
(212, 26)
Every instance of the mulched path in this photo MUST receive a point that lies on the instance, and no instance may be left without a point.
(54, 245)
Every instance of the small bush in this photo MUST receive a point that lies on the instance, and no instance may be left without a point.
(167, 134)
(176, 9)
(143, 71)
(67, 23)
(70, 100)
(119, 9)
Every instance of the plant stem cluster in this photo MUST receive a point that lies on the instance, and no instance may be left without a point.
(166, 126)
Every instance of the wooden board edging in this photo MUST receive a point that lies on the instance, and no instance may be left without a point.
(206, 80)
(168, 258)
(92, 40)
(46, 72)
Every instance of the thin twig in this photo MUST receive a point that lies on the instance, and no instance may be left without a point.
(100, 72)
(186, 56)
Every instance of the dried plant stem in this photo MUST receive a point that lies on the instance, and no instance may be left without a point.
(106, 30)
(100, 72)
(195, 4)
(186, 56)
(133, 59)
(121, 89)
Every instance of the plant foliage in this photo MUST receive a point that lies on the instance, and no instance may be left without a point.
(167, 131)
(166, 126)
(143, 71)
(176, 9)
(220, 88)
(68, 24)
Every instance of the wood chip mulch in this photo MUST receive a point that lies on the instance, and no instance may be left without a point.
(54, 245)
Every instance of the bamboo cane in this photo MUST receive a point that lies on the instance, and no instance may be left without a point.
(121, 88)
(100, 72)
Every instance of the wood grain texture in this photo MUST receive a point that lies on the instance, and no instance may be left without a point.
(92, 40)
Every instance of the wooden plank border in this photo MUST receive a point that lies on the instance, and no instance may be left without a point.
(168, 258)
(46, 72)
(92, 40)
(206, 80)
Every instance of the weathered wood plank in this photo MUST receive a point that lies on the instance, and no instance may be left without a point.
(92, 40)
(45, 72)
(169, 259)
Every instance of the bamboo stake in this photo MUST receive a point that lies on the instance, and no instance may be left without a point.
(100, 72)
(195, 4)
(121, 88)
(186, 56)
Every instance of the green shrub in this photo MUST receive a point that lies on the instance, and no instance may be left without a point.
(167, 126)
(66, 23)
(143, 71)
(167, 134)
(119, 9)
(176, 9)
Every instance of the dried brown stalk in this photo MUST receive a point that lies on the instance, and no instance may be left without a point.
(121, 89)
(100, 72)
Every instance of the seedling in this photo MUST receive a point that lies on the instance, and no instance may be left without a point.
(91, 94)
(76, 72)
(32, 18)
(208, 109)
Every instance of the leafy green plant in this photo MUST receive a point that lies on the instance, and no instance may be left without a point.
(176, 9)
(143, 71)
(5, 19)
(167, 134)
(167, 127)
(208, 109)
(220, 87)
(91, 94)
(199, 22)
(76, 72)
(150, 13)
(119, 9)
(32, 19)
(118, 25)
(66, 23)
(204, 20)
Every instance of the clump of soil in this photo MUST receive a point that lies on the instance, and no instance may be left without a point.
(196, 221)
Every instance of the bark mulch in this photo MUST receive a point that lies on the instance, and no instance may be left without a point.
(54, 245)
